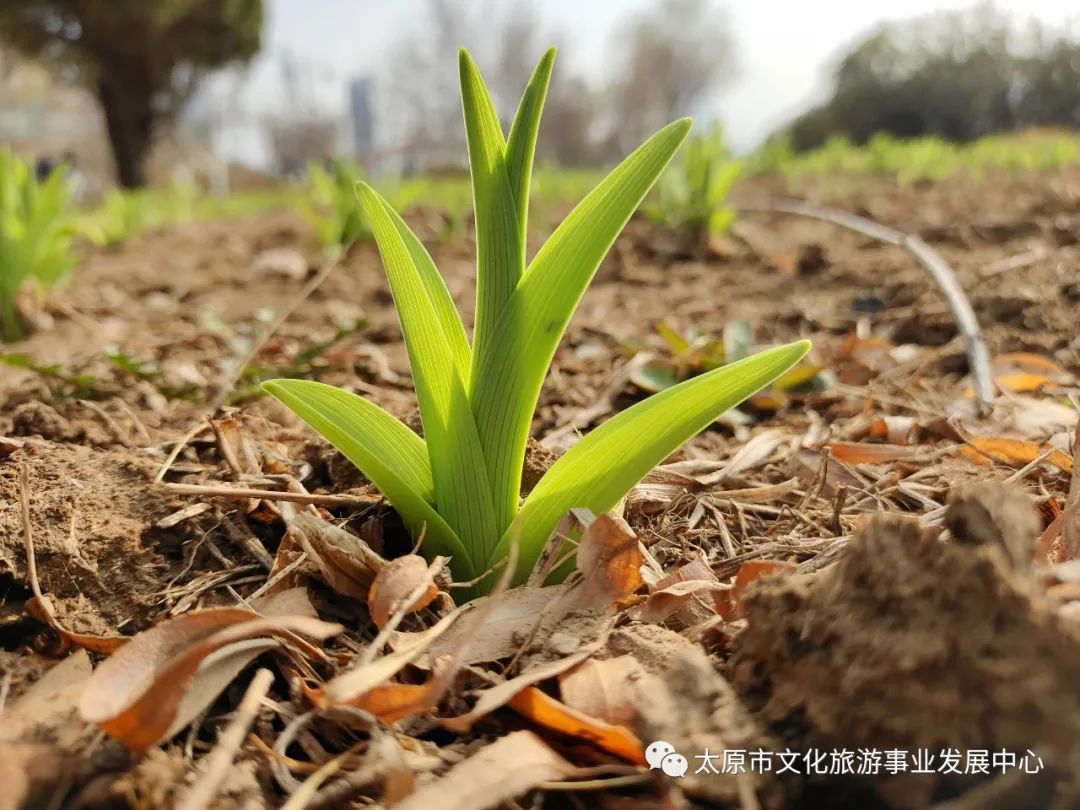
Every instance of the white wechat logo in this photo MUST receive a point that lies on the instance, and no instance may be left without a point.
(663, 756)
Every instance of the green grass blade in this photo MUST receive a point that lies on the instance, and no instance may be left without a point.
(382, 448)
(601, 468)
(509, 369)
(500, 247)
(521, 144)
(462, 489)
(441, 300)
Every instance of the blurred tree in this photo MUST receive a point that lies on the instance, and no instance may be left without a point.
(959, 75)
(423, 85)
(506, 40)
(142, 58)
(1051, 86)
(567, 134)
(669, 58)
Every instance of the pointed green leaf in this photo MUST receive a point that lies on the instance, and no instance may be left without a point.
(382, 448)
(462, 489)
(521, 144)
(441, 300)
(509, 368)
(601, 468)
(500, 248)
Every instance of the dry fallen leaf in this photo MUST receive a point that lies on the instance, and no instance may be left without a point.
(693, 599)
(691, 592)
(515, 612)
(609, 560)
(1028, 362)
(163, 677)
(353, 684)
(396, 583)
(391, 702)
(603, 688)
(48, 700)
(499, 772)
(497, 696)
(1016, 452)
(866, 453)
(344, 561)
(368, 684)
(546, 711)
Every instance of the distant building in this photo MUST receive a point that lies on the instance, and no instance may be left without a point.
(362, 117)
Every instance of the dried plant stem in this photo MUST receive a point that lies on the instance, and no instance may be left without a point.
(28, 537)
(939, 270)
(243, 493)
(202, 793)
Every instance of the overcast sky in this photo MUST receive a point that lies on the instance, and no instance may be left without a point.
(784, 46)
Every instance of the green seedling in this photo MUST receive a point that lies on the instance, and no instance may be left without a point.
(931, 158)
(692, 194)
(459, 486)
(681, 357)
(306, 362)
(61, 383)
(333, 211)
(37, 226)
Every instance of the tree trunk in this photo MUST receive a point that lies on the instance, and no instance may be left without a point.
(129, 117)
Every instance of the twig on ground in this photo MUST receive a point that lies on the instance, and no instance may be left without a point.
(243, 493)
(178, 448)
(1016, 262)
(963, 314)
(242, 536)
(28, 537)
(220, 760)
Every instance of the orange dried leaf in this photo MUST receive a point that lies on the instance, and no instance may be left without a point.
(770, 401)
(550, 713)
(609, 560)
(860, 453)
(1016, 452)
(498, 696)
(396, 701)
(1022, 382)
(1028, 362)
(396, 583)
(156, 683)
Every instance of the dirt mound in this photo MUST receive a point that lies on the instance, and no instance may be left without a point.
(917, 641)
(92, 513)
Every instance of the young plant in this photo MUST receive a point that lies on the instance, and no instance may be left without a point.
(333, 210)
(460, 485)
(681, 357)
(37, 224)
(693, 192)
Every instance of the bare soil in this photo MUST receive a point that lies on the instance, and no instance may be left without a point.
(907, 624)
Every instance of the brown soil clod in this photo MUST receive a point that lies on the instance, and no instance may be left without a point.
(921, 642)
